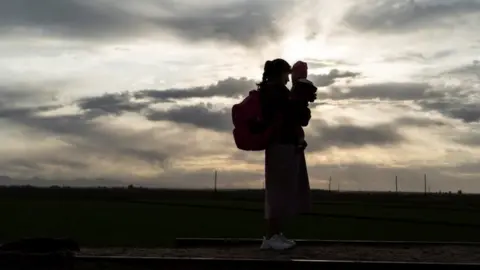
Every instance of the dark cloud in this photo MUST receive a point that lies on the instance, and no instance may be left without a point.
(466, 111)
(454, 103)
(244, 22)
(21, 94)
(137, 101)
(80, 147)
(84, 135)
(219, 119)
(240, 22)
(384, 91)
(420, 122)
(70, 18)
(470, 70)
(322, 80)
(200, 116)
(460, 102)
(393, 16)
(112, 103)
(351, 135)
(207, 117)
(81, 133)
(14, 113)
(230, 87)
(347, 134)
(15, 100)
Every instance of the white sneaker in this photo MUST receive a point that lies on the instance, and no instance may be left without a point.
(285, 239)
(276, 242)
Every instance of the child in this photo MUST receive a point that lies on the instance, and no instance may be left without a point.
(303, 91)
(302, 88)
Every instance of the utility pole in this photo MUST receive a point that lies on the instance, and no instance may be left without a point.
(338, 187)
(215, 183)
(425, 183)
(396, 184)
(330, 184)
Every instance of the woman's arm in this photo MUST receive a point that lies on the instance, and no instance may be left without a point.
(275, 101)
(299, 112)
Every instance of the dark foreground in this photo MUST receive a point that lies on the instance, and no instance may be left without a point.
(136, 228)
(154, 218)
(444, 254)
(333, 257)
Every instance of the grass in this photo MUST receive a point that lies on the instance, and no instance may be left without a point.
(121, 217)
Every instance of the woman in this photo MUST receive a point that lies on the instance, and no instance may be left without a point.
(287, 189)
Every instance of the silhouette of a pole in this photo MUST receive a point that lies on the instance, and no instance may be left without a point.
(396, 184)
(425, 183)
(215, 183)
(330, 183)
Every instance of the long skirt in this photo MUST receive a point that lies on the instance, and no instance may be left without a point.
(287, 187)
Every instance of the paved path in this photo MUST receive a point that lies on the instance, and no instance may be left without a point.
(365, 253)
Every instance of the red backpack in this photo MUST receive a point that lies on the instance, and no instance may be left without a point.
(245, 115)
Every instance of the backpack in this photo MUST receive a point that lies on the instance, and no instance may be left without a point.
(250, 131)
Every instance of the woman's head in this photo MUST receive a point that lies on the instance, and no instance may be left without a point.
(276, 71)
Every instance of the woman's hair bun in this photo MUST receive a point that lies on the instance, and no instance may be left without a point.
(268, 65)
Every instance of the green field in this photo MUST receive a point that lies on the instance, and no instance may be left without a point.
(149, 218)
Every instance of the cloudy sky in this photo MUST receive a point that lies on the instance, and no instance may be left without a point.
(109, 91)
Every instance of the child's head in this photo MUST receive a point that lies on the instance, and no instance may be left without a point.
(299, 71)
(302, 88)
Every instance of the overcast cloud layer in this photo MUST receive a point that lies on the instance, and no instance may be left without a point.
(103, 92)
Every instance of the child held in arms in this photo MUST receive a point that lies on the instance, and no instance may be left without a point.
(302, 93)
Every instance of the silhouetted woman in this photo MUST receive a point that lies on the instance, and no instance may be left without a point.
(287, 189)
